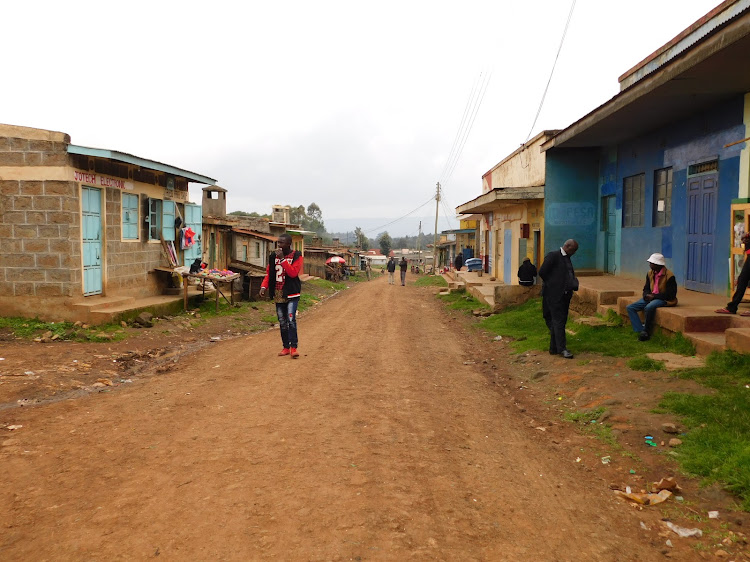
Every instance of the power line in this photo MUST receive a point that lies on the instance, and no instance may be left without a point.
(460, 126)
(400, 218)
(477, 105)
(544, 95)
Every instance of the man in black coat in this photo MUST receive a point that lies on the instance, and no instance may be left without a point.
(458, 262)
(559, 282)
(526, 273)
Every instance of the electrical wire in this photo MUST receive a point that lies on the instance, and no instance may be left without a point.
(400, 218)
(544, 95)
(460, 126)
(477, 105)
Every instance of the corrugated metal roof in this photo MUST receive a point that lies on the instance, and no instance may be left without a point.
(255, 233)
(138, 161)
(714, 19)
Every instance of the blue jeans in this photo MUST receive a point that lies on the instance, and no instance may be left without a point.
(286, 312)
(648, 308)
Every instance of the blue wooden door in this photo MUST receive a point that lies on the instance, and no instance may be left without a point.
(91, 221)
(507, 255)
(701, 226)
(194, 220)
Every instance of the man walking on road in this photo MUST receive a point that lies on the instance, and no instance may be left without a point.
(391, 267)
(559, 282)
(402, 266)
(285, 290)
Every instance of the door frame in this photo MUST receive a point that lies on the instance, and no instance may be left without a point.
(701, 245)
(92, 284)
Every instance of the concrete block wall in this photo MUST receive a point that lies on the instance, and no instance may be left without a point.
(129, 261)
(39, 217)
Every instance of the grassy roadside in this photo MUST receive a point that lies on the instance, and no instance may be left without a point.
(716, 443)
(525, 325)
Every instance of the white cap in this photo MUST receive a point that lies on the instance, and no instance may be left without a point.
(657, 259)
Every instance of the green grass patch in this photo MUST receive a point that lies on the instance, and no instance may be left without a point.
(459, 300)
(643, 363)
(328, 286)
(30, 329)
(431, 281)
(588, 422)
(524, 323)
(717, 444)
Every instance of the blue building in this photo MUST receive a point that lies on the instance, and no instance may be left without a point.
(664, 165)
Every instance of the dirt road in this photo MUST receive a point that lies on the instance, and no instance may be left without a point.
(383, 441)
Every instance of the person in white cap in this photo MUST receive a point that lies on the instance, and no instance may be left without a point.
(660, 290)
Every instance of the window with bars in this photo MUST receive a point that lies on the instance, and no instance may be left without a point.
(633, 200)
(129, 216)
(663, 197)
(154, 219)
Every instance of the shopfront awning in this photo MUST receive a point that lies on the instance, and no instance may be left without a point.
(492, 200)
(142, 162)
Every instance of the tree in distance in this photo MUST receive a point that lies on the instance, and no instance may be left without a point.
(385, 243)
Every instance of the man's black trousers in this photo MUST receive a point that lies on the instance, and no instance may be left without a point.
(555, 312)
(742, 282)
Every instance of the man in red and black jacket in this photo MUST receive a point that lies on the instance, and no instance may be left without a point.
(285, 290)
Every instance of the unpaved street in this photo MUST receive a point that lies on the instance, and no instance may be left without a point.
(378, 443)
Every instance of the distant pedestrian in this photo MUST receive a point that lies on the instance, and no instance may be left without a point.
(285, 289)
(742, 281)
(659, 290)
(368, 269)
(560, 281)
(402, 266)
(391, 267)
(458, 262)
(527, 273)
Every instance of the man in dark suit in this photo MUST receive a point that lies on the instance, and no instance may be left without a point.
(560, 281)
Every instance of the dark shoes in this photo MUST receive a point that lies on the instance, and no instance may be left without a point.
(567, 354)
(643, 336)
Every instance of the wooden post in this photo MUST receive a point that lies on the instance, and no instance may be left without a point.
(185, 284)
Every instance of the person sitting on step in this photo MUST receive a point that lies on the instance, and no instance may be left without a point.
(660, 290)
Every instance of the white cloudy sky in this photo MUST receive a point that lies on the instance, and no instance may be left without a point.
(352, 105)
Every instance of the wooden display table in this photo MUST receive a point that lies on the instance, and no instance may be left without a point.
(217, 281)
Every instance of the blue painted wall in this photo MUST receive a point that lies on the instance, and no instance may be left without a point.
(699, 138)
(570, 202)
(578, 178)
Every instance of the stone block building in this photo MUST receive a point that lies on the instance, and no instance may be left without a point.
(79, 224)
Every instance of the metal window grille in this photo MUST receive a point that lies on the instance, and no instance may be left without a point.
(633, 200)
(663, 197)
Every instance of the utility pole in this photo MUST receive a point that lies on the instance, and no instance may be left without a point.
(434, 242)
(419, 248)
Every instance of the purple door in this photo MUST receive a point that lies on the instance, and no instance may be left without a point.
(701, 224)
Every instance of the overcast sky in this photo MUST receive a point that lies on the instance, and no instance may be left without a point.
(352, 105)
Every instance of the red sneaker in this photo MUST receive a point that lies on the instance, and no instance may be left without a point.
(293, 353)
(284, 351)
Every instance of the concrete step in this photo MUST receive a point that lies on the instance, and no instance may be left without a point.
(706, 342)
(738, 339)
(604, 309)
(101, 303)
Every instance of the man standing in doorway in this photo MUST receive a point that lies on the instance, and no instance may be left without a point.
(391, 267)
(285, 290)
(559, 282)
(402, 266)
(742, 282)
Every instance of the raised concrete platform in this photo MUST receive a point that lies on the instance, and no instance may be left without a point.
(102, 310)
